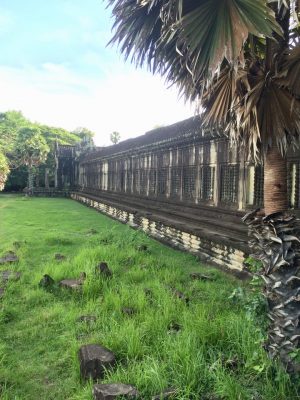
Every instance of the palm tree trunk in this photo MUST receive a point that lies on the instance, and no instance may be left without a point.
(275, 181)
(275, 238)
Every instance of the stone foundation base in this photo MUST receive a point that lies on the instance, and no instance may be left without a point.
(209, 251)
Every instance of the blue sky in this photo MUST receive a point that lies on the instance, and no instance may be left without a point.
(55, 68)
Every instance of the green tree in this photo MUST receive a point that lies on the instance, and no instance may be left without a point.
(115, 137)
(31, 150)
(241, 60)
(10, 122)
(83, 133)
(4, 170)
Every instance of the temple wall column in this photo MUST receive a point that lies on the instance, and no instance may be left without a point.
(217, 177)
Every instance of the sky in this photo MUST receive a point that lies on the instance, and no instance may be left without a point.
(56, 67)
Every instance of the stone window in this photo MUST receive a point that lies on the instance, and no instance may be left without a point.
(207, 177)
(152, 181)
(122, 180)
(128, 180)
(229, 183)
(175, 181)
(143, 181)
(136, 181)
(189, 178)
(162, 181)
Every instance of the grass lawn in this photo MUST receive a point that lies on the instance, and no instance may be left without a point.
(216, 354)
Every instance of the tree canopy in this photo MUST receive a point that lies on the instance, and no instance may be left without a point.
(14, 144)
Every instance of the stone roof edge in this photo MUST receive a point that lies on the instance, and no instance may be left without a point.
(181, 129)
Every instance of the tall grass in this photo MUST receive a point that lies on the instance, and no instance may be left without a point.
(214, 353)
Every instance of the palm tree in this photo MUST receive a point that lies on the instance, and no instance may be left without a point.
(239, 59)
(31, 150)
(115, 137)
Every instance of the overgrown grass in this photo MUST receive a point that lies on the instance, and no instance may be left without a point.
(217, 353)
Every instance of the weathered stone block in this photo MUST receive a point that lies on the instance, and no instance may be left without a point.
(174, 327)
(7, 275)
(94, 359)
(180, 295)
(74, 284)
(112, 391)
(128, 310)
(103, 269)
(46, 281)
(9, 258)
(199, 276)
(87, 318)
(1, 292)
(142, 247)
(169, 393)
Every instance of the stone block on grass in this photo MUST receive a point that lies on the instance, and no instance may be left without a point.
(1, 292)
(128, 311)
(142, 247)
(87, 318)
(113, 391)
(46, 282)
(174, 327)
(73, 284)
(103, 269)
(5, 276)
(94, 359)
(180, 295)
(169, 393)
(200, 277)
(10, 257)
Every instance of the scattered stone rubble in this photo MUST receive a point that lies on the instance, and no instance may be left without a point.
(113, 391)
(94, 359)
(102, 269)
(10, 257)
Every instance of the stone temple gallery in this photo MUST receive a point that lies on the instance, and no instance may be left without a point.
(180, 184)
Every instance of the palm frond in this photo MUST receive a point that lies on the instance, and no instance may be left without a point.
(268, 114)
(215, 30)
(137, 30)
(289, 76)
(203, 32)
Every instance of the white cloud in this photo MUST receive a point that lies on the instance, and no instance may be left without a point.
(130, 102)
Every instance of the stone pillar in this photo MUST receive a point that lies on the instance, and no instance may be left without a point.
(37, 178)
(47, 178)
(217, 178)
(242, 182)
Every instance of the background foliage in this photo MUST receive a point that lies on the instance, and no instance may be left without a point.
(11, 123)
